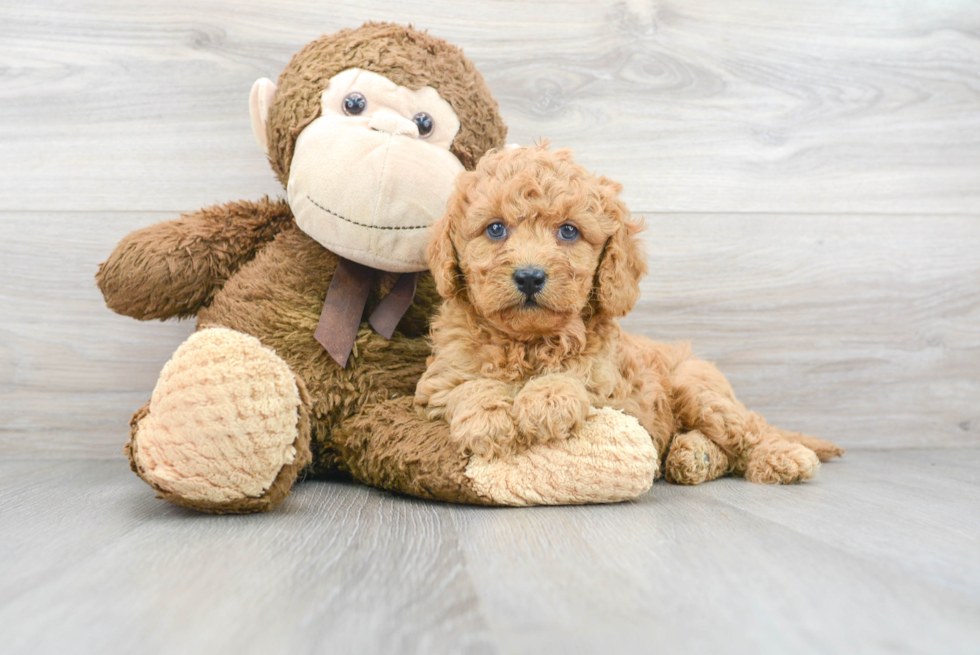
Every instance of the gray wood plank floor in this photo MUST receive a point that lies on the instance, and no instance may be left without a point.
(810, 172)
(878, 555)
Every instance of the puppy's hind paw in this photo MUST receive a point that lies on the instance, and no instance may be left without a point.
(825, 450)
(694, 459)
(781, 462)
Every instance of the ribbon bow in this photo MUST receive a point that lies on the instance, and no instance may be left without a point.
(344, 306)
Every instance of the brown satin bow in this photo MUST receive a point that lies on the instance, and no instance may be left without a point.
(344, 306)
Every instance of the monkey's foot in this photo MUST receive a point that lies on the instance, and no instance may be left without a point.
(781, 462)
(694, 459)
(609, 459)
(227, 427)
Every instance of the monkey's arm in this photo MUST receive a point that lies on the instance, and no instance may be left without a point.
(389, 445)
(174, 268)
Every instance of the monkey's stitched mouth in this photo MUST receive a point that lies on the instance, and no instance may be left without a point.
(373, 227)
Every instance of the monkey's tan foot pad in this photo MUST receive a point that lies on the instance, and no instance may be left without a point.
(224, 429)
(611, 458)
(781, 462)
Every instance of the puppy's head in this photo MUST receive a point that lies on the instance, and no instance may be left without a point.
(533, 242)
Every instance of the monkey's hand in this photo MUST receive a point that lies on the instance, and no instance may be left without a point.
(173, 269)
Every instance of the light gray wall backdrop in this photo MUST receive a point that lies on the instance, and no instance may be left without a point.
(810, 173)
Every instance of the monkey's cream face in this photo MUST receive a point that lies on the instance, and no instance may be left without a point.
(373, 171)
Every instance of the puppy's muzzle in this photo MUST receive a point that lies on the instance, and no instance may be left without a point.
(530, 280)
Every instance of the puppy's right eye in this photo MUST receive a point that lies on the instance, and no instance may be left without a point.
(496, 230)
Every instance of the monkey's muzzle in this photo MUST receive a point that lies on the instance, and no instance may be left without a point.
(369, 195)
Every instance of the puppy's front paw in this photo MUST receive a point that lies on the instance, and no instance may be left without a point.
(485, 430)
(551, 407)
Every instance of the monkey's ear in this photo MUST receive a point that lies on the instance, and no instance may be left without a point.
(259, 101)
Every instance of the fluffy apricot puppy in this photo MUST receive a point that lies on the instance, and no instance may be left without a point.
(536, 259)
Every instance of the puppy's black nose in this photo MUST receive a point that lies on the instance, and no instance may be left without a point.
(530, 280)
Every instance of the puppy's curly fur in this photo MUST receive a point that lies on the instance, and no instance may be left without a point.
(536, 259)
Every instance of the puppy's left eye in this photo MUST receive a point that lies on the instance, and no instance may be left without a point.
(568, 232)
(496, 231)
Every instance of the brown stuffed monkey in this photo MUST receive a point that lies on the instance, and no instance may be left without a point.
(312, 313)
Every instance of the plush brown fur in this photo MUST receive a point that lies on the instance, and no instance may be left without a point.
(278, 296)
(507, 373)
(246, 266)
(405, 56)
(389, 446)
(173, 269)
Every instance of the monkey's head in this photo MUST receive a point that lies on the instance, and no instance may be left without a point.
(367, 130)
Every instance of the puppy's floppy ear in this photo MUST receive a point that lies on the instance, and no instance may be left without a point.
(623, 261)
(441, 253)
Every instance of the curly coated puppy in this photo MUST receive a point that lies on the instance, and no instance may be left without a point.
(536, 259)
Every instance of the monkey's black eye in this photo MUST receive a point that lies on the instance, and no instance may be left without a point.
(354, 104)
(424, 122)
(496, 231)
(568, 232)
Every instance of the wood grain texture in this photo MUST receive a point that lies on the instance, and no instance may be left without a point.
(875, 556)
(810, 170)
(860, 329)
(71, 371)
(755, 106)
